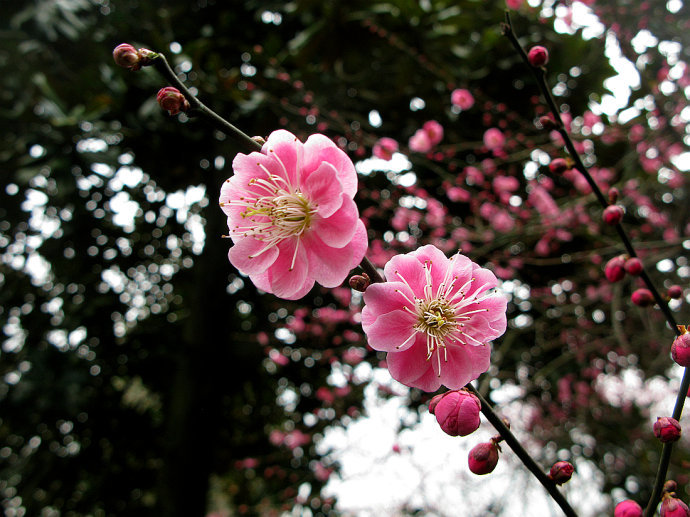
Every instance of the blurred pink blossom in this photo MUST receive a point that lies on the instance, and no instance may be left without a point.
(462, 98)
(385, 148)
(494, 139)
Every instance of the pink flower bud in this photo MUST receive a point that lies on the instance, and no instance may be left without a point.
(675, 292)
(126, 56)
(666, 429)
(633, 266)
(171, 100)
(558, 165)
(458, 413)
(642, 297)
(680, 350)
(615, 269)
(627, 508)
(674, 507)
(613, 214)
(561, 472)
(538, 56)
(483, 458)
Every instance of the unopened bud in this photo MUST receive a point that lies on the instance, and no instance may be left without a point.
(126, 56)
(457, 412)
(483, 458)
(613, 214)
(667, 429)
(259, 140)
(558, 165)
(434, 401)
(627, 508)
(538, 56)
(615, 269)
(360, 282)
(642, 297)
(613, 197)
(633, 266)
(675, 292)
(561, 472)
(673, 507)
(171, 100)
(547, 122)
(670, 486)
(680, 350)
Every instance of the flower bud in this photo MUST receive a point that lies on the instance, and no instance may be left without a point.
(674, 507)
(667, 429)
(126, 56)
(458, 412)
(558, 165)
(538, 56)
(613, 195)
(615, 269)
(680, 350)
(633, 266)
(642, 297)
(675, 292)
(171, 100)
(547, 122)
(483, 458)
(627, 508)
(561, 472)
(360, 282)
(613, 214)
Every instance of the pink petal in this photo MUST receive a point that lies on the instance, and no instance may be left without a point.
(324, 190)
(287, 151)
(412, 368)
(463, 364)
(328, 266)
(483, 280)
(409, 268)
(385, 297)
(240, 256)
(391, 330)
(337, 230)
(319, 148)
(288, 281)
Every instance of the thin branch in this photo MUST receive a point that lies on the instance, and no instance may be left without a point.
(521, 453)
(539, 74)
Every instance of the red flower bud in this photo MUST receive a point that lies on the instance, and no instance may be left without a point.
(675, 292)
(435, 400)
(547, 122)
(538, 56)
(674, 507)
(627, 508)
(613, 195)
(561, 472)
(613, 214)
(171, 100)
(558, 165)
(483, 458)
(360, 282)
(458, 412)
(667, 429)
(680, 350)
(633, 266)
(126, 56)
(642, 297)
(615, 269)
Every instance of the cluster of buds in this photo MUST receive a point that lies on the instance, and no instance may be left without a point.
(671, 506)
(667, 429)
(618, 266)
(172, 100)
(456, 411)
(126, 56)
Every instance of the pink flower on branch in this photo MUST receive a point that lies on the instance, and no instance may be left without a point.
(291, 215)
(435, 317)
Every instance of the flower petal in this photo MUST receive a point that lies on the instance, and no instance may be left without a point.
(338, 229)
(288, 280)
(324, 190)
(412, 368)
(385, 297)
(391, 330)
(287, 152)
(319, 148)
(409, 268)
(241, 255)
(330, 266)
(463, 364)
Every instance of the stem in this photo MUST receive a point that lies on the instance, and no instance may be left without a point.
(521, 453)
(161, 64)
(539, 74)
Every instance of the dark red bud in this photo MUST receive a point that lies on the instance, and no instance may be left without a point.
(615, 269)
(558, 165)
(483, 458)
(667, 429)
(171, 100)
(633, 266)
(642, 297)
(613, 214)
(360, 282)
(538, 56)
(675, 292)
(561, 472)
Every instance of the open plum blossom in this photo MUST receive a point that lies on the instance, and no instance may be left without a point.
(435, 317)
(291, 215)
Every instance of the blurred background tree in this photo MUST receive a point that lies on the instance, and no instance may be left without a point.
(142, 375)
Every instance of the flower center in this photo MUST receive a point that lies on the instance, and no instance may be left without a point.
(436, 317)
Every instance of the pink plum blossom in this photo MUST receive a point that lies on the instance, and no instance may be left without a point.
(462, 98)
(435, 316)
(420, 142)
(494, 139)
(434, 130)
(384, 148)
(291, 215)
